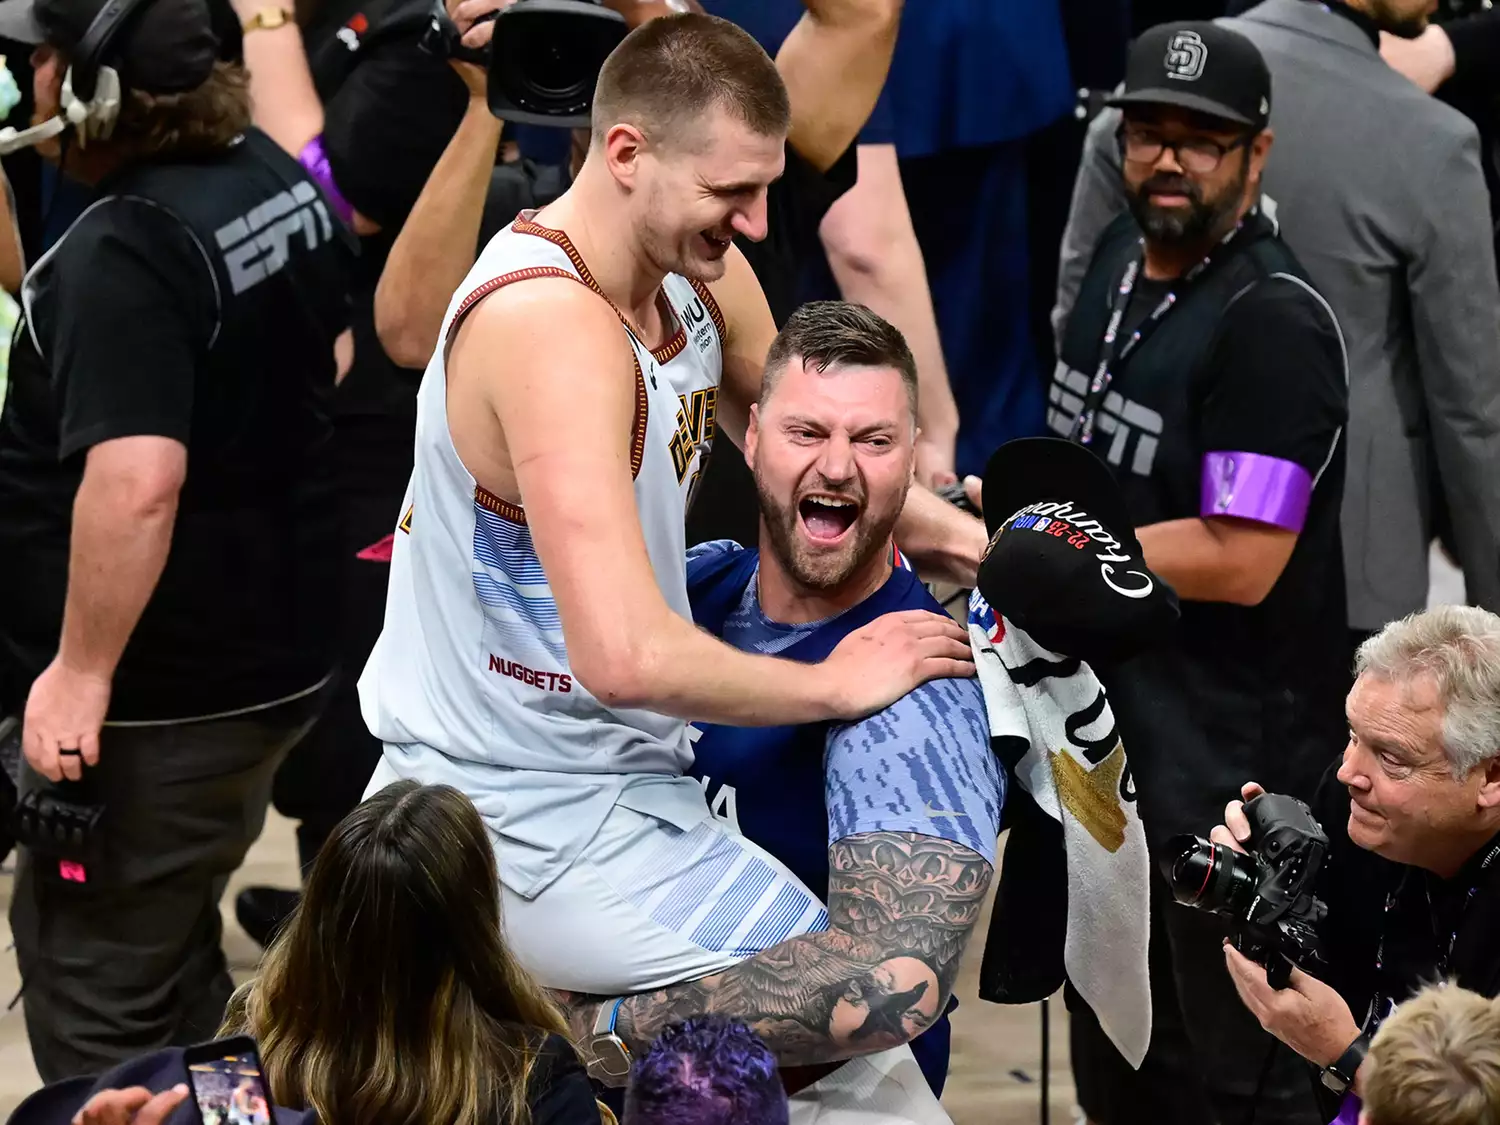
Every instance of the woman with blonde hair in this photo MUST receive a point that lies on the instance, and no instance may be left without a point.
(390, 998)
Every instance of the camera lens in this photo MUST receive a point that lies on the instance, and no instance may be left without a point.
(1210, 876)
(548, 62)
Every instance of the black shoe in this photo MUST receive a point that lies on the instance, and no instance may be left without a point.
(262, 910)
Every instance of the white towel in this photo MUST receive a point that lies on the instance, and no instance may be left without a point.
(1075, 769)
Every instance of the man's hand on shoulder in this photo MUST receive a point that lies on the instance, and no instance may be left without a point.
(879, 663)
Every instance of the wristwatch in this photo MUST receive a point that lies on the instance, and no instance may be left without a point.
(1338, 1075)
(267, 19)
(608, 1058)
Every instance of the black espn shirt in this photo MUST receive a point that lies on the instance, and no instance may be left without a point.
(142, 321)
(1251, 361)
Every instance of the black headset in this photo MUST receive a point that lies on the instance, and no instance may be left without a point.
(88, 56)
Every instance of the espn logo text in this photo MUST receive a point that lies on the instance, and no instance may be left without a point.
(1134, 430)
(258, 243)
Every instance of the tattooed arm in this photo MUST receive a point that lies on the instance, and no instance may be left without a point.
(900, 910)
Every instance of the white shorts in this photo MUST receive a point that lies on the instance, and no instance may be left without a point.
(648, 904)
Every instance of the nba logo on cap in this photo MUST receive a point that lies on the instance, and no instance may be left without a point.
(1186, 56)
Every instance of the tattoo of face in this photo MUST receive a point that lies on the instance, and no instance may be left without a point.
(901, 908)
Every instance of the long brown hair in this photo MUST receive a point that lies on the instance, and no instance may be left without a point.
(390, 998)
(196, 122)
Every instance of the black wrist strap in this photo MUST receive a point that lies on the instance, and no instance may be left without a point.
(1338, 1076)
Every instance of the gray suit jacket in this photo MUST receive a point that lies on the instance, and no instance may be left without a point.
(1378, 190)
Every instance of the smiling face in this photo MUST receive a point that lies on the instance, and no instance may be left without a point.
(833, 453)
(692, 196)
(1405, 803)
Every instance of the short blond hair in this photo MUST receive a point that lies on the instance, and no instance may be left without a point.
(667, 74)
(1436, 1061)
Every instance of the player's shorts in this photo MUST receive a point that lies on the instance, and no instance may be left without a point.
(649, 904)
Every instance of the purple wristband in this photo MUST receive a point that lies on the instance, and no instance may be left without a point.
(1252, 486)
(1348, 1111)
(314, 158)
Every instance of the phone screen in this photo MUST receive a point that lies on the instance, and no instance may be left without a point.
(230, 1090)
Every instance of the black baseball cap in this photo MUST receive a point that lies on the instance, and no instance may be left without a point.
(1199, 66)
(167, 47)
(1063, 561)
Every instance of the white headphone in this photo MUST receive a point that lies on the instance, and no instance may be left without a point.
(94, 109)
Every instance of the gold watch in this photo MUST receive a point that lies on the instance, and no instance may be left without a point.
(267, 19)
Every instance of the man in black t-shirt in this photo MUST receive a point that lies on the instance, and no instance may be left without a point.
(1210, 375)
(165, 520)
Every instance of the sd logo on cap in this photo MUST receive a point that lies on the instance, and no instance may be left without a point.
(1063, 561)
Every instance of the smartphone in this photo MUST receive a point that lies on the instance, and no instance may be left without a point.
(227, 1083)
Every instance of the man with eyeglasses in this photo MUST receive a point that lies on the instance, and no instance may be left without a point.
(1210, 375)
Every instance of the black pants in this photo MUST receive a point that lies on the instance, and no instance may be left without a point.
(129, 961)
(1209, 1060)
(325, 776)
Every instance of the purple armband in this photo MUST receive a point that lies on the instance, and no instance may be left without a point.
(1252, 486)
(314, 158)
(1348, 1111)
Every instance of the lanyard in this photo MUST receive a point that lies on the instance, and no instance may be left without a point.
(1113, 357)
(1381, 1006)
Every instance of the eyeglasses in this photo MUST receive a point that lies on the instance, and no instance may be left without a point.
(1197, 155)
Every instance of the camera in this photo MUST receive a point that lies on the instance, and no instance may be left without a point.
(544, 59)
(1267, 893)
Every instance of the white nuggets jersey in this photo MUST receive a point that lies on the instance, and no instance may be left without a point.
(470, 682)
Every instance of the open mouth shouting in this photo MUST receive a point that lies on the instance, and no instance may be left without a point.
(826, 519)
(717, 247)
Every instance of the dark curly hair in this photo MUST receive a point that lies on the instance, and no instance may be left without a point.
(708, 1070)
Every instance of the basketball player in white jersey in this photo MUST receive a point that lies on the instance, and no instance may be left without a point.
(538, 650)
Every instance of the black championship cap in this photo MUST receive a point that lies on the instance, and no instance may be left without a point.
(1199, 66)
(1063, 561)
(166, 47)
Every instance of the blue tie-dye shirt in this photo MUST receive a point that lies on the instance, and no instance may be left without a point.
(923, 765)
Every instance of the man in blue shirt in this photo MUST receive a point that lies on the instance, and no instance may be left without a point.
(892, 820)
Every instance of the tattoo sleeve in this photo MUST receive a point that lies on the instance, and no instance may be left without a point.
(901, 908)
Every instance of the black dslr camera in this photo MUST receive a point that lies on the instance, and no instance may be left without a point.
(544, 59)
(1266, 893)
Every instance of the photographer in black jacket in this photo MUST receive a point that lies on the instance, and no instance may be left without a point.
(1412, 882)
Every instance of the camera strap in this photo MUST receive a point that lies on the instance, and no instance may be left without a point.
(1382, 1004)
(1113, 352)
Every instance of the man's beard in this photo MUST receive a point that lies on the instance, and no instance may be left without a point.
(1403, 25)
(823, 571)
(1202, 221)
